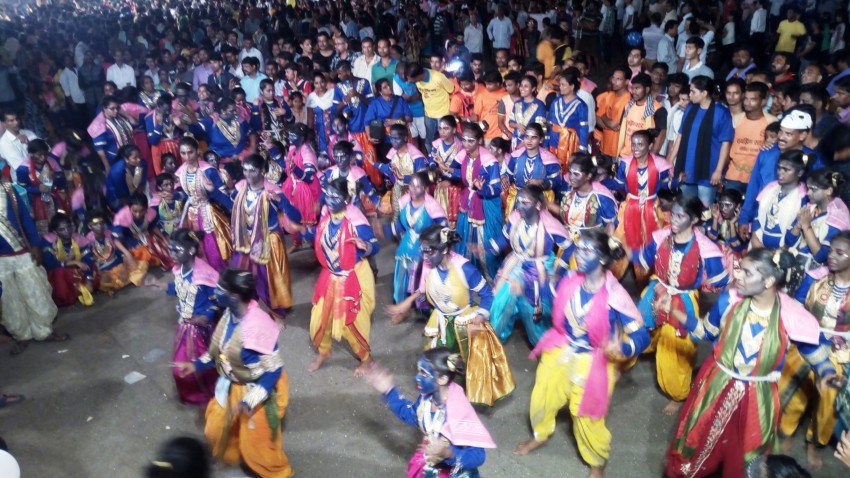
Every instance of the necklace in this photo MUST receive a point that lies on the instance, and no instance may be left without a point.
(230, 130)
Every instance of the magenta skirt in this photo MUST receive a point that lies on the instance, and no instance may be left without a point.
(189, 345)
(302, 198)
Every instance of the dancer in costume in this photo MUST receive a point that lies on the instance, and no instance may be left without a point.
(228, 136)
(444, 150)
(244, 418)
(360, 187)
(732, 413)
(116, 266)
(723, 227)
(526, 111)
(825, 292)
(404, 160)
(42, 178)
(138, 228)
(344, 296)
(28, 310)
(531, 165)
(270, 115)
(301, 187)
(683, 260)
(128, 176)
(168, 203)
(595, 324)
(418, 211)
(351, 98)
(202, 183)
(260, 209)
(480, 216)
(588, 204)
(69, 263)
(780, 202)
(454, 441)
(194, 285)
(568, 116)
(640, 177)
(164, 131)
(110, 130)
(824, 217)
(526, 282)
(447, 281)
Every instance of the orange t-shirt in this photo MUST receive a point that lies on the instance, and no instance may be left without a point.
(610, 105)
(749, 137)
(461, 103)
(486, 108)
(636, 122)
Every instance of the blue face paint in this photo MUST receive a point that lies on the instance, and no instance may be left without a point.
(587, 256)
(225, 299)
(335, 200)
(426, 380)
(397, 141)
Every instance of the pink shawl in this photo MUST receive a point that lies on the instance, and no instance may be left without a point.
(411, 149)
(98, 125)
(799, 323)
(202, 273)
(259, 331)
(819, 273)
(594, 403)
(124, 217)
(432, 207)
(462, 426)
(545, 156)
(838, 216)
(457, 261)
(661, 163)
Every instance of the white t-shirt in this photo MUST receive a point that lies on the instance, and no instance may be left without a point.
(629, 18)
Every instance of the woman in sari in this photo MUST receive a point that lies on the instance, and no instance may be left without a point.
(194, 286)
(454, 441)
(243, 420)
(301, 187)
(683, 260)
(731, 416)
(480, 217)
(568, 116)
(447, 282)
(526, 282)
(344, 296)
(418, 210)
(444, 150)
(530, 165)
(528, 109)
(202, 184)
(68, 260)
(825, 292)
(595, 325)
(259, 212)
(139, 229)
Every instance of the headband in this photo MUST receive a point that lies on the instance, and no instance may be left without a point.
(444, 235)
(776, 257)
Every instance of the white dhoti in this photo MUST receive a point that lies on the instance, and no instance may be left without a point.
(28, 307)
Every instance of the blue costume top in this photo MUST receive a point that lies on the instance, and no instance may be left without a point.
(356, 109)
(570, 114)
(117, 189)
(17, 228)
(227, 138)
(524, 168)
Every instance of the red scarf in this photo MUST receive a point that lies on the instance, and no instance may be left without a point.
(642, 224)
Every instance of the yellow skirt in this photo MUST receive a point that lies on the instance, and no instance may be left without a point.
(674, 359)
(235, 436)
(122, 275)
(327, 319)
(277, 269)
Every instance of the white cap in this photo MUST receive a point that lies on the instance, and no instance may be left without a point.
(797, 119)
(8, 466)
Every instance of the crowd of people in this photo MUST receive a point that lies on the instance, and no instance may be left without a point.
(707, 173)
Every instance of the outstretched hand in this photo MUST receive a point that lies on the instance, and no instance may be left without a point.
(379, 378)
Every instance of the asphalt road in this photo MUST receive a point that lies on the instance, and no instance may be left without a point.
(82, 419)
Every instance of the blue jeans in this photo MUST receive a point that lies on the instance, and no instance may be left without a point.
(705, 194)
(431, 125)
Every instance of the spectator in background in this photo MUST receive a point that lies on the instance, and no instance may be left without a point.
(120, 73)
(436, 91)
(473, 35)
(652, 36)
(499, 30)
(789, 31)
(666, 52)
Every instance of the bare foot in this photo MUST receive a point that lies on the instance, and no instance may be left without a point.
(363, 367)
(527, 447)
(596, 472)
(786, 444)
(671, 408)
(317, 362)
(813, 457)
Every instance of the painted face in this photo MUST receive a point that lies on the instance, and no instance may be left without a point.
(526, 206)
(531, 140)
(818, 195)
(446, 131)
(63, 230)
(577, 178)
(749, 280)
(838, 259)
(335, 199)
(212, 159)
(679, 219)
(426, 380)
(417, 189)
(342, 159)
(470, 142)
(640, 146)
(397, 139)
(587, 256)
(97, 227)
(432, 254)
(253, 175)
(188, 153)
(294, 137)
(787, 173)
(138, 212)
(728, 209)
(224, 298)
(169, 165)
